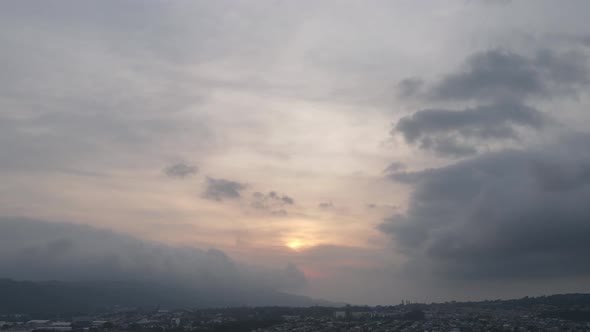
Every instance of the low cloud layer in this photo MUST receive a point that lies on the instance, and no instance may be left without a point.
(36, 250)
(506, 215)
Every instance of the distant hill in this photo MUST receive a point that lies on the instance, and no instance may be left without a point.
(60, 297)
(557, 300)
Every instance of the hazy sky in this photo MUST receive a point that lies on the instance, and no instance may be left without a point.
(386, 150)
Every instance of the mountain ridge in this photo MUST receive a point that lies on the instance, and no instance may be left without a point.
(21, 296)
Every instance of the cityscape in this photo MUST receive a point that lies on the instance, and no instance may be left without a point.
(568, 312)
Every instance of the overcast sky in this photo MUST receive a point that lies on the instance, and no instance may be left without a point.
(356, 151)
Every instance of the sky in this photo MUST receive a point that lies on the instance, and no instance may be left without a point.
(356, 151)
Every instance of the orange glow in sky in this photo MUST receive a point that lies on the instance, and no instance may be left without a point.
(296, 244)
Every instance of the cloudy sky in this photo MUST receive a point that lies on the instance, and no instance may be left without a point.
(356, 151)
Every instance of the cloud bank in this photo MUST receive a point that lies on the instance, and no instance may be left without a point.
(505, 215)
(37, 250)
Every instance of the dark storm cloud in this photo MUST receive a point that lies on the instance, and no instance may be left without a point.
(504, 75)
(36, 250)
(558, 176)
(220, 189)
(457, 132)
(501, 82)
(481, 122)
(449, 147)
(181, 170)
(505, 215)
(272, 202)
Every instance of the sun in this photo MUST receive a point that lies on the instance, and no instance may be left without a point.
(295, 244)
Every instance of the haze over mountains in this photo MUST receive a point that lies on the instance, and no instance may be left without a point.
(70, 266)
(49, 297)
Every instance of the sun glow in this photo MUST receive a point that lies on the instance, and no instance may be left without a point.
(295, 244)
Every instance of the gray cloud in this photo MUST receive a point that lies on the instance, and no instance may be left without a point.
(326, 205)
(181, 170)
(283, 198)
(390, 207)
(504, 75)
(505, 215)
(409, 87)
(272, 202)
(457, 132)
(36, 250)
(449, 147)
(220, 189)
(395, 167)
